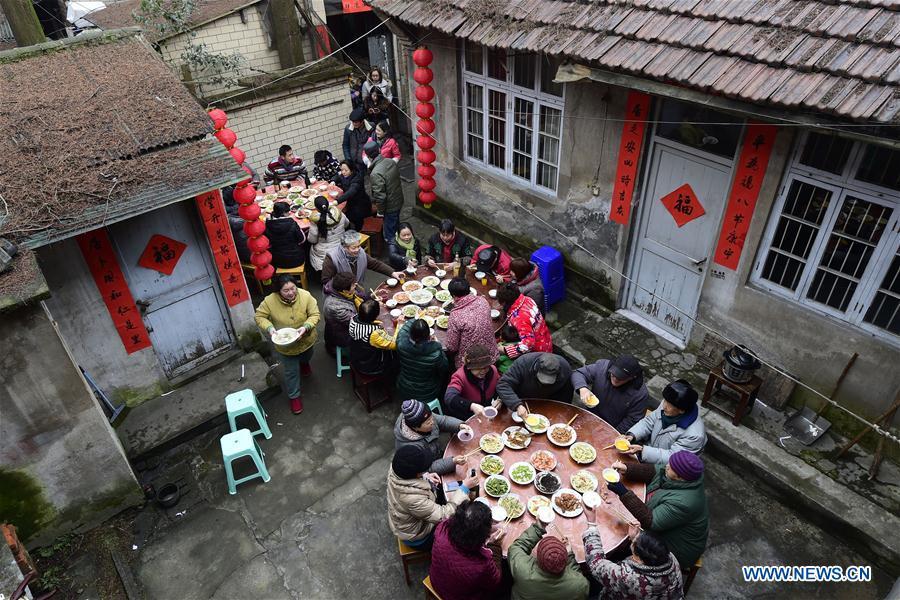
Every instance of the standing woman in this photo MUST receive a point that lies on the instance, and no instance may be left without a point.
(376, 106)
(286, 238)
(291, 307)
(378, 80)
(328, 225)
(384, 137)
(359, 205)
(523, 314)
(406, 250)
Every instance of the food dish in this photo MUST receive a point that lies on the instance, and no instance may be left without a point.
(427, 319)
(431, 281)
(498, 513)
(622, 445)
(496, 486)
(391, 282)
(583, 481)
(535, 503)
(401, 297)
(592, 499)
(561, 434)
(285, 336)
(271, 197)
(445, 284)
(592, 401)
(582, 453)
(412, 286)
(547, 482)
(495, 314)
(443, 321)
(611, 475)
(333, 193)
(443, 296)
(512, 503)
(536, 423)
(433, 290)
(421, 297)
(567, 503)
(309, 193)
(522, 473)
(294, 197)
(491, 465)
(543, 460)
(516, 437)
(434, 311)
(440, 273)
(410, 311)
(391, 303)
(491, 443)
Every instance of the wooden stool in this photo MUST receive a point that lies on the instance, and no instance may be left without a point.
(747, 392)
(374, 227)
(248, 274)
(430, 594)
(365, 242)
(689, 578)
(296, 272)
(361, 385)
(411, 556)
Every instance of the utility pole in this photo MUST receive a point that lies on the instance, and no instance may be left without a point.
(23, 21)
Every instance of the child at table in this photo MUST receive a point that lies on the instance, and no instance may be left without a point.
(509, 336)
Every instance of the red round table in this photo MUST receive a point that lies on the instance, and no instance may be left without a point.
(589, 428)
(300, 185)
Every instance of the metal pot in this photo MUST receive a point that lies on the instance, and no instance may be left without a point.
(740, 363)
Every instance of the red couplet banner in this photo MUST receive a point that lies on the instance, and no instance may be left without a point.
(751, 168)
(104, 267)
(637, 108)
(215, 221)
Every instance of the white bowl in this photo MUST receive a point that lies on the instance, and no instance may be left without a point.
(498, 513)
(440, 273)
(333, 193)
(391, 281)
(391, 303)
(546, 514)
(495, 314)
(592, 499)
(492, 293)
(479, 275)
(411, 270)
(490, 412)
(395, 314)
(464, 435)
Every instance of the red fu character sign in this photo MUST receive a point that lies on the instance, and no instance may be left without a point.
(683, 205)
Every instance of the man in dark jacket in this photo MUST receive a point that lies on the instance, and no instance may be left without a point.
(535, 375)
(418, 426)
(387, 192)
(448, 243)
(356, 134)
(613, 390)
(286, 238)
(240, 237)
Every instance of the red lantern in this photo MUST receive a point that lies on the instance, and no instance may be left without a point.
(244, 194)
(424, 110)
(426, 171)
(238, 155)
(424, 93)
(261, 259)
(425, 157)
(423, 56)
(227, 137)
(254, 229)
(264, 273)
(426, 184)
(423, 75)
(219, 118)
(258, 244)
(427, 198)
(425, 126)
(425, 142)
(250, 212)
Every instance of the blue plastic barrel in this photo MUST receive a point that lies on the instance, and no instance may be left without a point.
(550, 266)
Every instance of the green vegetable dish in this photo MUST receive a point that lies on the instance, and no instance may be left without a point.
(512, 504)
(496, 486)
(522, 473)
(492, 465)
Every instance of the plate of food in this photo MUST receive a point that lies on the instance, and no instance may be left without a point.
(427, 319)
(491, 465)
(543, 460)
(309, 193)
(303, 213)
(294, 197)
(271, 197)
(516, 437)
(583, 481)
(513, 504)
(412, 285)
(561, 434)
(433, 290)
(495, 314)
(536, 423)
(496, 486)
(491, 443)
(567, 503)
(410, 311)
(322, 187)
(442, 321)
(266, 204)
(334, 193)
(445, 284)
(582, 453)
(434, 311)
(421, 297)
(285, 336)
(443, 296)
(547, 482)
(536, 503)
(401, 297)
(431, 281)
(522, 473)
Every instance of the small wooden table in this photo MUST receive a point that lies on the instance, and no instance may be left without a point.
(747, 392)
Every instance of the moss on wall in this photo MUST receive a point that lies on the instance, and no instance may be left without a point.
(131, 397)
(23, 503)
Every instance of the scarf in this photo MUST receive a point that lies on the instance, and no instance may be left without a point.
(481, 384)
(409, 433)
(346, 264)
(409, 246)
(351, 296)
(683, 421)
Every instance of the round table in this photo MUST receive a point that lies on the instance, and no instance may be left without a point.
(589, 428)
(385, 292)
(331, 192)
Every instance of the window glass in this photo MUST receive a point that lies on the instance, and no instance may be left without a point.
(524, 68)
(549, 65)
(880, 166)
(699, 127)
(884, 312)
(825, 152)
(496, 64)
(474, 60)
(523, 119)
(475, 121)
(497, 129)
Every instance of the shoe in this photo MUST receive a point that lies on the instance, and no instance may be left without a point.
(305, 370)
(296, 405)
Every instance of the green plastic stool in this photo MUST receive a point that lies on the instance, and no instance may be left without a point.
(236, 445)
(341, 367)
(243, 402)
(435, 406)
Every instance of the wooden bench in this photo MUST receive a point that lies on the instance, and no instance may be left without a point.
(410, 556)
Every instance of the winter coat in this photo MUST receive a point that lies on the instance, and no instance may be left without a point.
(387, 192)
(413, 510)
(660, 443)
(530, 582)
(337, 224)
(465, 389)
(389, 147)
(273, 311)
(423, 368)
(281, 170)
(521, 381)
(461, 246)
(397, 255)
(384, 85)
(240, 238)
(330, 268)
(502, 266)
(630, 580)
(354, 140)
(470, 324)
(621, 406)
(381, 108)
(328, 170)
(286, 241)
(337, 310)
(359, 205)
(534, 335)
(533, 287)
(371, 348)
(460, 575)
(405, 436)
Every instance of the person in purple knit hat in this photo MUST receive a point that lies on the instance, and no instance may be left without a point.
(676, 509)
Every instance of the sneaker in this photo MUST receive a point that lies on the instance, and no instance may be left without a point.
(305, 369)
(296, 405)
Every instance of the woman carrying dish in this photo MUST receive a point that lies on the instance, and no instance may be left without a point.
(295, 308)
(472, 387)
(405, 251)
(358, 204)
(466, 558)
(328, 224)
(423, 364)
(285, 237)
(470, 322)
(523, 314)
(418, 426)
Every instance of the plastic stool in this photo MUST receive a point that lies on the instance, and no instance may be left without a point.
(341, 367)
(551, 270)
(236, 445)
(243, 402)
(435, 406)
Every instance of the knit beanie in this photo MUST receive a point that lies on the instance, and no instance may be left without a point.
(686, 465)
(414, 412)
(410, 460)
(478, 357)
(551, 555)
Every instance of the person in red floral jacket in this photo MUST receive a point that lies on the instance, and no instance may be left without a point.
(523, 314)
(470, 322)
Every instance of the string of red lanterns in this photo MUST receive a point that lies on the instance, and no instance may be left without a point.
(425, 126)
(245, 196)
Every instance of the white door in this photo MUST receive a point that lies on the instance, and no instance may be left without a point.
(669, 262)
(183, 312)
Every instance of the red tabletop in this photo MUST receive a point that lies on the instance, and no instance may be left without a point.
(330, 191)
(589, 428)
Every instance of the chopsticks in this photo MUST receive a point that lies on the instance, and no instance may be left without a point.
(613, 445)
(471, 452)
(526, 406)
(627, 519)
(572, 419)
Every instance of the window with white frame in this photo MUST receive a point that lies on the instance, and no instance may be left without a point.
(513, 114)
(832, 240)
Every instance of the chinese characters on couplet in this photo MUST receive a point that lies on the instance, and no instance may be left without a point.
(212, 211)
(636, 109)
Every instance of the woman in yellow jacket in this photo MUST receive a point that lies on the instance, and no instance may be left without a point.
(295, 308)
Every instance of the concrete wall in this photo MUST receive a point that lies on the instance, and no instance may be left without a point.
(308, 118)
(60, 462)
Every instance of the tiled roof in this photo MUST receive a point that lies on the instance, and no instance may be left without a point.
(840, 57)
